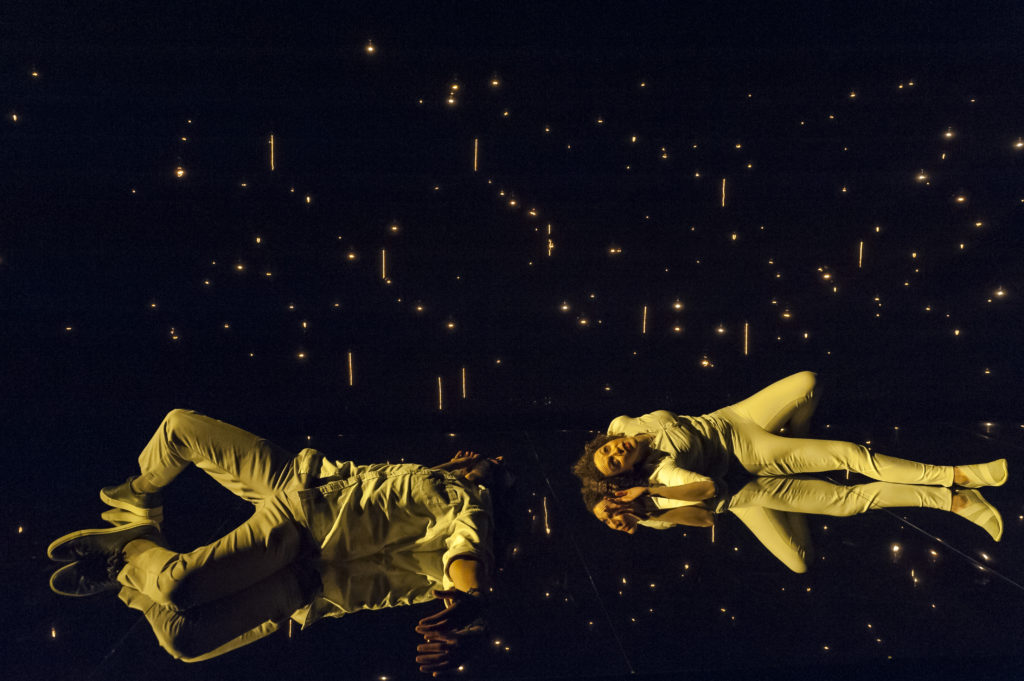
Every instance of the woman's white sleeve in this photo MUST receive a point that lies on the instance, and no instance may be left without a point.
(668, 474)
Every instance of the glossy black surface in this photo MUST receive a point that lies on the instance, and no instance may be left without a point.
(128, 291)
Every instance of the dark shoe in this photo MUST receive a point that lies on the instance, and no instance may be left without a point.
(94, 574)
(106, 541)
(123, 496)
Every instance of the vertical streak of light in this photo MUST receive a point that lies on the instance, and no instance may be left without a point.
(476, 150)
(723, 192)
(746, 338)
(383, 264)
(547, 527)
(440, 402)
(463, 382)
(351, 374)
(712, 533)
(271, 152)
(643, 329)
(860, 255)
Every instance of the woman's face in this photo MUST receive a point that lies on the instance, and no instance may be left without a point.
(619, 456)
(604, 512)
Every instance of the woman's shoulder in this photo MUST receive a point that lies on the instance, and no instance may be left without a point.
(642, 424)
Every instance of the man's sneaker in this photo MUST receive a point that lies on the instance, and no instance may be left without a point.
(94, 574)
(123, 496)
(105, 541)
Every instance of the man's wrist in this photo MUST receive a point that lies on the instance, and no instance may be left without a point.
(481, 597)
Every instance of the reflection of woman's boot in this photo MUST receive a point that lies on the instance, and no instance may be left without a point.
(971, 505)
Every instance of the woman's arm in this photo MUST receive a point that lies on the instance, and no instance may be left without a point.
(693, 516)
(692, 492)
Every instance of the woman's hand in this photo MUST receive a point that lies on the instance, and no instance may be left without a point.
(625, 496)
(627, 502)
(624, 521)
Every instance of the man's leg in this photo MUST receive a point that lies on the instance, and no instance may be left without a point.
(248, 465)
(268, 541)
(213, 629)
(791, 400)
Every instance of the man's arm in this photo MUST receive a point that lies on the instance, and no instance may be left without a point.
(468, 574)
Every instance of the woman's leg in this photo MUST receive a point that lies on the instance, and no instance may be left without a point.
(268, 541)
(802, 495)
(764, 454)
(791, 400)
(785, 535)
(247, 465)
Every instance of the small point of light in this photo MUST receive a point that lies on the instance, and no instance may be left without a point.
(179, 172)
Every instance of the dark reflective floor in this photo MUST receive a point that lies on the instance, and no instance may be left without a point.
(577, 600)
(490, 233)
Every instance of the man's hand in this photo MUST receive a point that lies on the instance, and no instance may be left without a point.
(461, 610)
(442, 653)
(460, 460)
(452, 635)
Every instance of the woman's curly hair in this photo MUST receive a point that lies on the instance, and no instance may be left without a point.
(593, 485)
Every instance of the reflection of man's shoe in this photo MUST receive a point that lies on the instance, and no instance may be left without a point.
(991, 474)
(981, 513)
(117, 517)
(123, 496)
(94, 574)
(104, 541)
